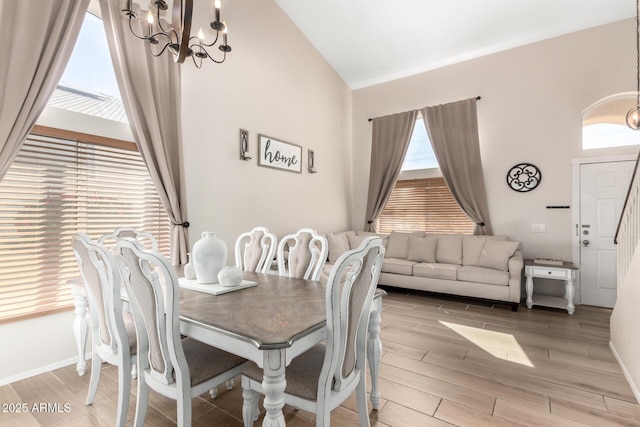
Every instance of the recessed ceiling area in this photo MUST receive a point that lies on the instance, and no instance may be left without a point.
(373, 41)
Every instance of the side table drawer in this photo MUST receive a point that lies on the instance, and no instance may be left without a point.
(549, 272)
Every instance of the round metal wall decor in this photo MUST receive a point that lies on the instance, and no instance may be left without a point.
(524, 177)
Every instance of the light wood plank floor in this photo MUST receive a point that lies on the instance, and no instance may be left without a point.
(447, 361)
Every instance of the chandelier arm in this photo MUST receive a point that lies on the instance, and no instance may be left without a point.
(217, 61)
(198, 64)
(161, 51)
(203, 43)
(160, 23)
(149, 37)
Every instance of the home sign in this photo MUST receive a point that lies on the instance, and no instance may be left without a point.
(277, 154)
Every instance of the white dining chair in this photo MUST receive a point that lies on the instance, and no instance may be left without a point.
(113, 332)
(180, 369)
(148, 239)
(307, 253)
(255, 250)
(327, 374)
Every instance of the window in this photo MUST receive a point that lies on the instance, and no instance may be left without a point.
(423, 202)
(420, 154)
(604, 123)
(59, 185)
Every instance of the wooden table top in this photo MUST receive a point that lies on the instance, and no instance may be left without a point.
(565, 264)
(272, 314)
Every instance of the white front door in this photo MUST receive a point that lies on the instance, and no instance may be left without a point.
(603, 189)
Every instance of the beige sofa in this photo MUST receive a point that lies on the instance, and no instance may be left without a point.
(487, 267)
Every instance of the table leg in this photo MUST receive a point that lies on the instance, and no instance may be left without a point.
(569, 291)
(374, 350)
(80, 326)
(529, 289)
(273, 386)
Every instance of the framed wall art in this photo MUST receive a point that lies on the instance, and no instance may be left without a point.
(277, 154)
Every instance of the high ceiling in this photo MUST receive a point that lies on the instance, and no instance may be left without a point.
(372, 41)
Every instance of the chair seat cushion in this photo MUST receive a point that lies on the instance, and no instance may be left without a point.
(206, 362)
(302, 374)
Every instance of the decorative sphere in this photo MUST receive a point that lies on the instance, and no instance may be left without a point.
(230, 276)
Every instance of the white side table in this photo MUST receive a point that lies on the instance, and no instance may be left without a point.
(565, 272)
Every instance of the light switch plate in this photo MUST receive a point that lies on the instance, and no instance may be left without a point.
(538, 228)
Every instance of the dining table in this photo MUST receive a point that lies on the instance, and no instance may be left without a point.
(270, 324)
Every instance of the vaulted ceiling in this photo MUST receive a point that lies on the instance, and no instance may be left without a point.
(373, 41)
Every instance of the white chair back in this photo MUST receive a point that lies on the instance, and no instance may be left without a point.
(307, 254)
(176, 368)
(148, 239)
(255, 250)
(338, 366)
(111, 341)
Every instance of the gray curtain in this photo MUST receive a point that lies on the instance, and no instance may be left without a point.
(36, 41)
(390, 140)
(150, 89)
(453, 131)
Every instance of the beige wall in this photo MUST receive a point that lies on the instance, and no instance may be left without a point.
(530, 111)
(274, 82)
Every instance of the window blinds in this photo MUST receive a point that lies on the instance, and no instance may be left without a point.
(423, 204)
(55, 188)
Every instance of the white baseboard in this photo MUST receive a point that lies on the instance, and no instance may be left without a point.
(42, 369)
(634, 389)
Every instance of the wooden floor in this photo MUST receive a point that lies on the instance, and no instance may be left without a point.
(447, 361)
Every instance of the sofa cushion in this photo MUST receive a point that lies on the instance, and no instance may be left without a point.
(472, 247)
(422, 249)
(469, 273)
(355, 241)
(495, 254)
(398, 246)
(338, 244)
(397, 266)
(436, 270)
(449, 249)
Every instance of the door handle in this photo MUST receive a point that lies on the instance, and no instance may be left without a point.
(585, 242)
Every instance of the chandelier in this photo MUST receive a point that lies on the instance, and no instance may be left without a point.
(177, 38)
(633, 116)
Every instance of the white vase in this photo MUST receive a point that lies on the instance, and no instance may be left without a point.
(209, 257)
(230, 276)
(189, 269)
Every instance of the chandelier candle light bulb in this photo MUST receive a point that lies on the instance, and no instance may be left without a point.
(217, 10)
(150, 22)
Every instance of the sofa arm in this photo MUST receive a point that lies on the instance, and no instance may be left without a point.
(516, 264)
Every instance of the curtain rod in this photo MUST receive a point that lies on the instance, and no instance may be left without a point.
(478, 98)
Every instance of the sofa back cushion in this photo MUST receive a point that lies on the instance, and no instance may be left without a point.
(496, 254)
(398, 246)
(449, 248)
(338, 244)
(472, 247)
(422, 249)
